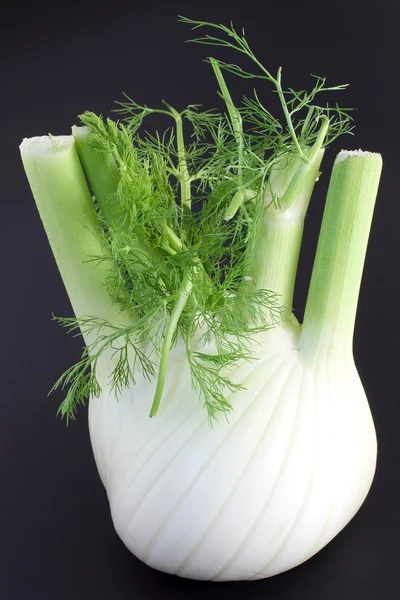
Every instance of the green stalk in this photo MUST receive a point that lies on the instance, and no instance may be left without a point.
(278, 83)
(173, 240)
(183, 172)
(237, 127)
(179, 306)
(336, 278)
(291, 196)
(234, 114)
(103, 176)
(235, 204)
(65, 206)
(274, 256)
(182, 165)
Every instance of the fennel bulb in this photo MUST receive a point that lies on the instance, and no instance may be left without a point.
(262, 493)
(250, 498)
(176, 304)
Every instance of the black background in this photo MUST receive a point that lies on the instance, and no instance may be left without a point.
(56, 535)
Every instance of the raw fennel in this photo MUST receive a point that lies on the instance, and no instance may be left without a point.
(179, 254)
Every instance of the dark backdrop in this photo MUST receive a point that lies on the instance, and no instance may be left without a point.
(56, 536)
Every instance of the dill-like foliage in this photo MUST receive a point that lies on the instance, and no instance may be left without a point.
(179, 230)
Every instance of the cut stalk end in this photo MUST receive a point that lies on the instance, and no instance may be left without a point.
(344, 154)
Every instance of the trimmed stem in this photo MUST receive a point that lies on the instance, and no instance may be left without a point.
(336, 278)
(180, 304)
(65, 206)
(275, 253)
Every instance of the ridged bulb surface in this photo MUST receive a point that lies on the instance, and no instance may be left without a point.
(245, 499)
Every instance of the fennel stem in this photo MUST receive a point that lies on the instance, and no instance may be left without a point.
(237, 127)
(182, 168)
(66, 209)
(336, 277)
(275, 253)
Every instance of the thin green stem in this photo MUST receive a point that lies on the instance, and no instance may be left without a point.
(183, 175)
(179, 306)
(182, 164)
(237, 127)
(234, 114)
(336, 278)
(307, 120)
(291, 194)
(287, 115)
(278, 84)
(244, 48)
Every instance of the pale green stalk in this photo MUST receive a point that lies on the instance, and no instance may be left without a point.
(336, 278)
(274, 256)
(66, 208)
(275, 253)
